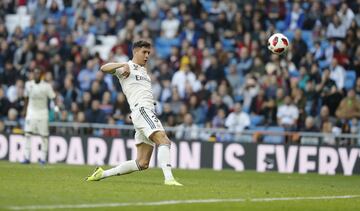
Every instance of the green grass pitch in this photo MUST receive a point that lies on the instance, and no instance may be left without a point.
(25, 187)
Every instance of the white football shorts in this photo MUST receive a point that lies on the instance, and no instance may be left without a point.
(37, 127)
(145, 123)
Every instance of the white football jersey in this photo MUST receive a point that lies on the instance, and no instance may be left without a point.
(137, 87)
(38, 95)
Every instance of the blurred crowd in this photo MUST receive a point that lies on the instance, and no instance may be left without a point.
(210, 65)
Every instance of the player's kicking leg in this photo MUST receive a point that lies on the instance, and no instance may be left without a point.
(144, 152)
(163, 155)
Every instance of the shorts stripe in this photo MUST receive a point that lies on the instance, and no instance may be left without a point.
(147, 118)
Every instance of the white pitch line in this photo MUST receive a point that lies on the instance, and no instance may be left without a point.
(172, 202)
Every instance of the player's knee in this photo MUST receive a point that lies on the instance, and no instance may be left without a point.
(143, 164)
(160, 137)
(165, 141)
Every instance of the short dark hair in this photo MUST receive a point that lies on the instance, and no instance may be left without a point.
(141, 43)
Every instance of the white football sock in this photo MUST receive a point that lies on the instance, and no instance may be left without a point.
(163, 156)
(44, 148)
(124, 168)
(27, 146)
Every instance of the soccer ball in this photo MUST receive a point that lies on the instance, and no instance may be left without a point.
(278, 43)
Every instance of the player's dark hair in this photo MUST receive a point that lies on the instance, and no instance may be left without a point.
(141, 44)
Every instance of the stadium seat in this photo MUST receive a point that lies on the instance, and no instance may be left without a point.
(294, 74)
(228, 44)
(324, 44)
(289, 35)
(103, 51)
(274, 139)
(70, 13)
(308, 38)
(350, 78)
(257, 128)
(256, 119)
(323, 64)
(246, 109)
(239, 98)
(207, 4)
(12, 21)
(280, 26)
(163, 46)
(109, 40)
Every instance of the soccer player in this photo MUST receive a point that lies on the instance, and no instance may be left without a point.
(149, 131)
(37, 92)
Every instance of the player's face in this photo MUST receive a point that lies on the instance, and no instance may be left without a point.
(142, 55)
(37, 75)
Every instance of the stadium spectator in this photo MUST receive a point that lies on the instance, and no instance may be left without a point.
(70, 92)
(85, 103)
(294, 19)
(310, 127)
(336, 29)
(95, 114)
(245, 62)
(332, 100)
(276, 10)
(216, 104)
(249, 90)
(175, 101)
(349, 106)
(86, 76)
(170, 26)
(288, 114)
(337, 73)
(22, 57)
(215, 72)
(357, 87)
(111, 132)
(167, 114)
(326, 83)
(106, 105)
(258, 103)
(10, 74)
(299, 47)
(2, 127)
(223, 91)
(238, 120)
(219, 119)
(4, 104)
(15, 91)
(324, 116)
(328, 131)
(312, 17)
(197, 109)
(187, 130)
(183, 76)
(121, 108)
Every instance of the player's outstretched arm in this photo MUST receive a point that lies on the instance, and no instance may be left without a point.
(111, 68)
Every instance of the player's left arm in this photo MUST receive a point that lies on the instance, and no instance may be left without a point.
(52, 97)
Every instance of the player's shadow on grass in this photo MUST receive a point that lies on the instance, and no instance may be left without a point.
(134, 182)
